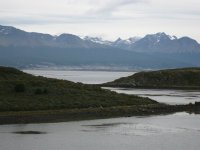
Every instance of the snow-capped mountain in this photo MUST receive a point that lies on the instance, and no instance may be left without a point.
(151, 43)
(159, 42)
(98, 40)
(10, 36)
(163, 43)
(119, 43)
(125, 44)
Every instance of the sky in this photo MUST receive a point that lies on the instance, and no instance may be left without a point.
(108, 19)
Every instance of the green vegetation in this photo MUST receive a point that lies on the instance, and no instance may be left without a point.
(184, 78)
(41, 91)
(24, 92)
(19, 88)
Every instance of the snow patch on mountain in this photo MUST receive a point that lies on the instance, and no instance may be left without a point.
(98, 40)
(172, 37)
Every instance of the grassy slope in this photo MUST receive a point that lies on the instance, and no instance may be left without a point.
(56, 94)
(188, 78)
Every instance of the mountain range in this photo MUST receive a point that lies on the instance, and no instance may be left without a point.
(25, 49)
(160, 42)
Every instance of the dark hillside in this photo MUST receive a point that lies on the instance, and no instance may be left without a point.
(188, 78)
(23, 92)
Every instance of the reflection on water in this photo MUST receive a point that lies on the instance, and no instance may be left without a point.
(131, 129)
(29, 132)
(180, 131)
(163, 95)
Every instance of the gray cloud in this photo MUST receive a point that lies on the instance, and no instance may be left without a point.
(112, 5)
(128, 16)
(32, 19)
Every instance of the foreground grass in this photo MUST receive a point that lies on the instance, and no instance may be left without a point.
(184, 78)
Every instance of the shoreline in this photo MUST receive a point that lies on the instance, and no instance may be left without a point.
(65, 115)
(196, 88)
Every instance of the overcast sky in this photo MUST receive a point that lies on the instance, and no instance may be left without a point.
(109, 19)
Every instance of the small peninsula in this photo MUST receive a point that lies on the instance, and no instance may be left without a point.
(183, 78)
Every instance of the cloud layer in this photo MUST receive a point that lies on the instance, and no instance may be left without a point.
(109, 18)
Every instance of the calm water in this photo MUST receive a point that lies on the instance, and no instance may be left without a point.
(179, 131)
(88, 77)
(163, 96)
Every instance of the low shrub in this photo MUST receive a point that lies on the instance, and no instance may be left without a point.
(40, 91)
(19, 88)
